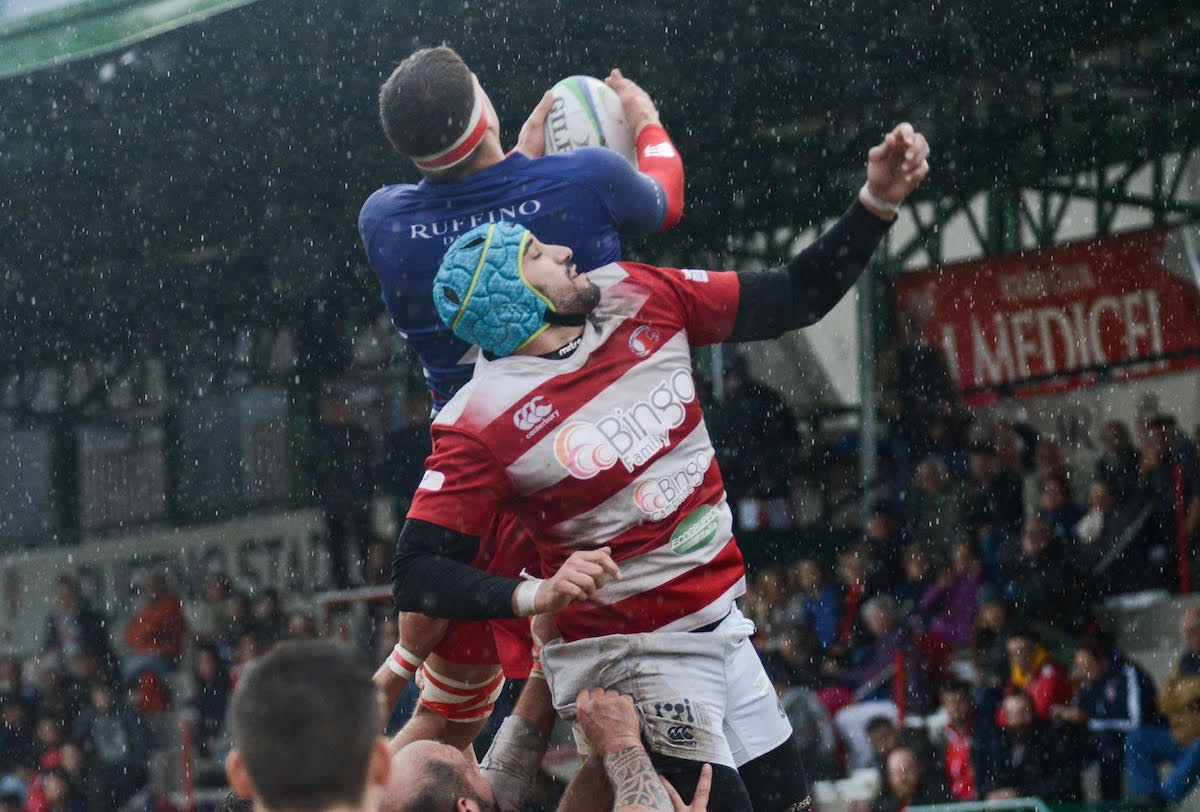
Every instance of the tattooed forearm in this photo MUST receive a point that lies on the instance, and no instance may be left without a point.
(635, 784)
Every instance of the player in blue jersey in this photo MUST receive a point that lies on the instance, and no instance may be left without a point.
(435, 113)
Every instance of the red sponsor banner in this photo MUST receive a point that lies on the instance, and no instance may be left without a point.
(1038, 316)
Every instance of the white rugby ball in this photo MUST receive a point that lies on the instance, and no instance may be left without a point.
(587, 113)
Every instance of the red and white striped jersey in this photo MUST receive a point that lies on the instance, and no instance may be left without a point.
(604, 447)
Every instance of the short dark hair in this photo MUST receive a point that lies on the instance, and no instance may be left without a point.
(879, 722)
(1098, 645)
(440, 790)
(955, 685)
(305, 718)
(425, 105)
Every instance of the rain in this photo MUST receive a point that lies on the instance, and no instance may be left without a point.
(930, 486)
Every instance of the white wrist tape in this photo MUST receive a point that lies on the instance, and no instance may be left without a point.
(403, 663)
(865, 195)
(525, 597)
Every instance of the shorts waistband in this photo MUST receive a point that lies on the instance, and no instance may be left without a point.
(711, 626)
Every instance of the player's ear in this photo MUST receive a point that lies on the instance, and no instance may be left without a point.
(381, 763)
(239, 778)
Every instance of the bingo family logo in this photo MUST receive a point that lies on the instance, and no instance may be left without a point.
(630, 435)
(659, 498)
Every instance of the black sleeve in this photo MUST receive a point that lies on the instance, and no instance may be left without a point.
(432, 574)
(778, 300)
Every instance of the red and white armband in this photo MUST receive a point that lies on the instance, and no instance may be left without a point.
(403, 663)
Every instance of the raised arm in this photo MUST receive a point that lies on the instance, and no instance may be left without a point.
(799, 294)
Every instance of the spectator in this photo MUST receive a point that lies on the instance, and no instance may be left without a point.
(55, 792)
(247, 649)
(909, 784)
(1109, 543)
(755, 437)
(241, 622)
(74, 626)
(301, 626)
(1115, 696)
(963, 741)
(937, 515)
(886, 541)
(798, 655)
(49, 735)
(116, 740)
(1119, 463)
(816, 601)
(1042, 585)
(918, 567)
(1170, 483)
(211, 687)
(1046, 462)
(13, 686)
(1034, 672)
(156, 632)
(343, 485)
(773, 619)
(989, 652)
(88, 782)
(994, 501)
(885, 735)
(874, 680)
(61, 697)
(18, 747)
(950, 605)
(851, 643)
(811, 727)
(210, 616)
(1178, 743)
(1056, 508)
(268, 616)
(918, 390)
(1028, 760)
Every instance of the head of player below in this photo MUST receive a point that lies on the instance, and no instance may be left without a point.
(501, 288)
(428, 776)
(305, 720)
(435, 112)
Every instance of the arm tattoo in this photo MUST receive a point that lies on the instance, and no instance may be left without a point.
(635, 783)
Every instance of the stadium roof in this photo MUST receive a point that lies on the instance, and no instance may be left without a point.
(209, 178)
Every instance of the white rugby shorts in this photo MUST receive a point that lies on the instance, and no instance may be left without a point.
(701, 696)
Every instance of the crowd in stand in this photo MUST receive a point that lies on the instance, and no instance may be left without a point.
(79, 721)
(972, 581)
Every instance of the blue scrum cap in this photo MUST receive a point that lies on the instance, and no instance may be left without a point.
(481, 292)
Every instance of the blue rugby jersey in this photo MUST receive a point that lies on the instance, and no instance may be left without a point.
(582, 199)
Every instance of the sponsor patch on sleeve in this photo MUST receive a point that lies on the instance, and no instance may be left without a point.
(432, 481)
(693, 275)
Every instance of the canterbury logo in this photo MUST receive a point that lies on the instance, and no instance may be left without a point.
(680, 734)
(533, 413)
(662, 150)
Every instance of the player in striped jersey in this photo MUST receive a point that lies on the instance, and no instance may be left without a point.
(435, 112)
(582, 419)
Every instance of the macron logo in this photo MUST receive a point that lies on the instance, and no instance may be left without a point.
(661, 150)
(534, 415)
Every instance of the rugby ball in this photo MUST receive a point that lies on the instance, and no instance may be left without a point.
(587, 113)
